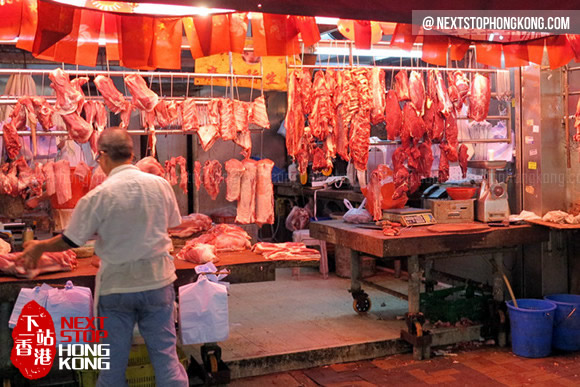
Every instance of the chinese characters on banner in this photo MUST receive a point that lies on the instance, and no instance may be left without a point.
(34, 342)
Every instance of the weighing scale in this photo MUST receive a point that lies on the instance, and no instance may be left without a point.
(410, 216)
(492, 203)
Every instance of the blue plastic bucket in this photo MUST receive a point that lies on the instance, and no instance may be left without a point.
(566, 321)
(531, 326)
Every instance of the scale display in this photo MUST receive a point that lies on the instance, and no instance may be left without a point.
(417, 220)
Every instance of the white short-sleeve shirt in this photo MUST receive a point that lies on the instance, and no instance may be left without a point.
(129, 213)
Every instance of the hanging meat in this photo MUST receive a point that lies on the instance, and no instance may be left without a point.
(401, 174)
(90, 112)
(165, 113)
(191, 224)
(294, 122)
(350, 96)
(319, 161)
(212, 177)
(97, 177)
(143, 97)
(361, 78)
(78, 129)
(244, 141)
(342, 133)
(227, 128)
(374, 190)
(451, 133)
(393, 115)
(264, 192)
(183, 175)
(305, 80)
(413, 125)
(429, 116)
(417, 92)
(402, 86)
(78, 83)
(11, 140)
(414, 180)
(234, 169)
(479, 97)
(197, 173)
(463, 156)
(247, 202)
(49, 178)
(360, 140)
(378, 95)
(321, 118)
(259, 113)
(305, 150)
(189, 115)
(150, 165)
(445, 107)
(241, 116)
(443, 165)
(43, 111)
(63, 181)
(114, 100)
(461, 83)
(453, 92)
(426, 159)
(68, 98)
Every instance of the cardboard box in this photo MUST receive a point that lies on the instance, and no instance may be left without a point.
(452, 211)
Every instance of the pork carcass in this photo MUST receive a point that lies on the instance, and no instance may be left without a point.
(78, 83)
(286, 251)
(63, 181)
(374, 190)
(259, 113)
(225, 237)
(241, 116)
(197, 174)
(359, 141)
(294, 122)
(48, 263)
(191, 224)
(11, 140)
(445, 107)
(393, 115)
(443, 165)
(143, 97)
(378, 95)
(199, 253)
(247, 201)
(361, 78)
(189, 115)
(244, 141)
(463, 156)
(207, 136)
(479, 98)
(90, 112)
(227, 128)
(417, 92)
(402, 86)
(212, 177)
(50, 178)
(264, 192)
(151, 165)
(235, 170)
(114, 100)
(320, 119)
(97, 177)
(68, 98)
(78, 129)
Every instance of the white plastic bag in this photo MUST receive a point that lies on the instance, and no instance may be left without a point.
(203, 312)
(38, 294)
(356, 215)
(72, 301)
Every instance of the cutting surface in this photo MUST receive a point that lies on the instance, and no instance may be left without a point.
(554, 225)
(419, 240)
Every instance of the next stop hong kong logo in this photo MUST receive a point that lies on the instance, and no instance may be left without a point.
(35, 343)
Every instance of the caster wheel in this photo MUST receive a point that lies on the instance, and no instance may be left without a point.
(362, 304)
(213, 364)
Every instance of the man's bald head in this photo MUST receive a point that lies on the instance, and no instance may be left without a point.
(117, 144)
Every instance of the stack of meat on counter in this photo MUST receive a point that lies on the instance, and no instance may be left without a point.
(332, 115)
(85, 118)
(10, 264)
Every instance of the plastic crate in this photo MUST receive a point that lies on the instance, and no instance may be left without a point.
(140, 372)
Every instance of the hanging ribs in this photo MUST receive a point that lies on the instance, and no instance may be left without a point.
(378, 95)
(227, 127)
(189, 115)
(259, 113)
(359, 140)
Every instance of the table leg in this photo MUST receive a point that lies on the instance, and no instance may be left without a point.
(498, 296)
(355, 271)
(429, 282)
(414, 283)
(397, 268)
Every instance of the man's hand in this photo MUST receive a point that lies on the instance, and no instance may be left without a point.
(32, 252)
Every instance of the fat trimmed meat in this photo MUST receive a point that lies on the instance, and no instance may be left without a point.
(234, 169)
(151, 165)
(377, 84)
(143, 97)
(114, 100)
(259, 113)
(199, 253)
(63, 181)
(264, 192)
(191, 224)
(247, 201)
(68, 98)
(78, 129)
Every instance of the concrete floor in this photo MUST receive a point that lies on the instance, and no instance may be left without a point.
(285, 324)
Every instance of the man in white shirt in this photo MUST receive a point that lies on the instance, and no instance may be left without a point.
(129, 213)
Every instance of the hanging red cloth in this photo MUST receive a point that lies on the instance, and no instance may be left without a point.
(11, 15)
(560, 51)
(362, 34)
(135, 41)
(275, 35)
(515, 55)
(435, 49)
(574, 41)
(166, 50)
(488, 54)
(403, 37)
(28, 25)
(308, 29)
(216, 34)
(111, 36)
(536, 50)
(55, 21)
(458, 48)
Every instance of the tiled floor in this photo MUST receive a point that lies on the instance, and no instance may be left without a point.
(489, 366)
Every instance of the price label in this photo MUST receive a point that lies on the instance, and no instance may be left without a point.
(532, 165)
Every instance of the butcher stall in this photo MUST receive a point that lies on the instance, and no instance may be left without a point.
(438, 170)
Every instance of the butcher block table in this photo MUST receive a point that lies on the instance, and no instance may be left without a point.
(419, 244)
